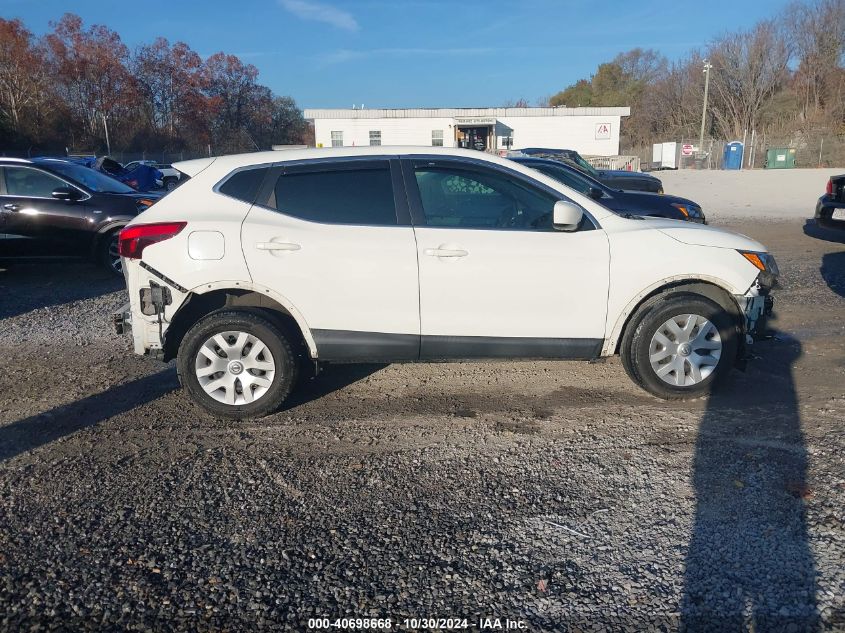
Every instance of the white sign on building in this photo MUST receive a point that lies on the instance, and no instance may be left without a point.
(602, 131)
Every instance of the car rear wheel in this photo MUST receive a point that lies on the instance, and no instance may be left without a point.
(680, 347)
(237, 364)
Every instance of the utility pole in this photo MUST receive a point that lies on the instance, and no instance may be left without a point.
(707, 67)
(106, 128)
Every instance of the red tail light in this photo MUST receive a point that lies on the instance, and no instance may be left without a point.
(829, 189)
(134, 239)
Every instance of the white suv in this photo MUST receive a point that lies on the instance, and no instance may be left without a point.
(262, 261)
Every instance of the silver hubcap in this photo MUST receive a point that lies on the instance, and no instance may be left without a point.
(685, 350)
(235, 368)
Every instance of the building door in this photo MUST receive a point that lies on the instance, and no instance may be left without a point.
(477, 138)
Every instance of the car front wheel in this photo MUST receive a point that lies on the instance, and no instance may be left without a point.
(108, 253)
(237, 364)
(681, 347)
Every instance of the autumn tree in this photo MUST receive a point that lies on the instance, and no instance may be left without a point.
(578, 95)
(90, 69)
(171, 81)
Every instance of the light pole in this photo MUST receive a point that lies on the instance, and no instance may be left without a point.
(707, 67)
(106, 128)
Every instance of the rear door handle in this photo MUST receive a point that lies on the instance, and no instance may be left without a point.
(446, 252)
(11, 207)
(277, 246)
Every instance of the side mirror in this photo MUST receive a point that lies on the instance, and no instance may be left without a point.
(595, 193)
(566, 215)
(66, 193)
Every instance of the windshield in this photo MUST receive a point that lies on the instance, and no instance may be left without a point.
(94, 180)
(576, 181)
(586, 166)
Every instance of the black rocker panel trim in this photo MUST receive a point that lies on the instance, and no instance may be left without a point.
(348, 346)
(469, 347)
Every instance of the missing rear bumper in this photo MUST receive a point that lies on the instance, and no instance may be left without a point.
(122, 320)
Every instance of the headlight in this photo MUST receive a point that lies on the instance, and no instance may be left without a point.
(764, 262)
(689, 210)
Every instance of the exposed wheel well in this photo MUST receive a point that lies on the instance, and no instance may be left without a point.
(705, 289)
(198, 306)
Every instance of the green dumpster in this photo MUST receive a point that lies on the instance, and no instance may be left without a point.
(780, 158)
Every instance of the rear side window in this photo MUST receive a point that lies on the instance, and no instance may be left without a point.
(349, 194)
(244, 185)
(30, 183)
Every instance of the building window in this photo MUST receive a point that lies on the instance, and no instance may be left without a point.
(437, 138)
(375, 137)
(337, 139)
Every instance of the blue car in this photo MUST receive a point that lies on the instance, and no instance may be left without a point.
(640, 203)
(141, 178)
(615, 178)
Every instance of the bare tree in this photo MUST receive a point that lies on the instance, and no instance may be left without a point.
(749, 67)
(817, 32)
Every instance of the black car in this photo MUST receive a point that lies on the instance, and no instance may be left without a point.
(830, 209)
(633, 202)
(615, 178)
(52, 207)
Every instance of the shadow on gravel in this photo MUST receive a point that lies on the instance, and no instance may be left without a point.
(332, 378)
(833, 271)
(811, 229)
(37, 430)
(749, 566)
(29, 286)
(833, 264)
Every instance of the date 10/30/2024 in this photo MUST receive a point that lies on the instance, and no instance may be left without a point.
(417, 624)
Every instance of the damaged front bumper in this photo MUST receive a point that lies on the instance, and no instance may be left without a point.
(757, 305)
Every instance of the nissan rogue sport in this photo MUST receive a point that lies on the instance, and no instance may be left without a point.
(261, 262)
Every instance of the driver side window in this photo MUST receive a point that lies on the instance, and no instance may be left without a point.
(461, 197)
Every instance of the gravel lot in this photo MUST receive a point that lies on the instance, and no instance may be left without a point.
(556, 495)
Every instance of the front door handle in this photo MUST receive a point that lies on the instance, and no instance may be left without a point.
(277, 246)
(11, 207)
(446, 252)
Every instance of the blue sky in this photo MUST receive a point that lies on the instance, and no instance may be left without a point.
(412, 53)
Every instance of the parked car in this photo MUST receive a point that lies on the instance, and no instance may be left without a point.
(615, 178)
(140, 177)
(633, 202)
(261, 261)
(56, 207)
(169, 176)
(830, 209)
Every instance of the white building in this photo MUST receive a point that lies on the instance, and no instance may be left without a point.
(591, 131)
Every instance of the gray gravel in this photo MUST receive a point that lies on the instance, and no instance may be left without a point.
(553, 494)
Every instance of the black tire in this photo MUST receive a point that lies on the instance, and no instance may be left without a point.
(284, 360)
(170, 184)
(637, 339)
(107, 253)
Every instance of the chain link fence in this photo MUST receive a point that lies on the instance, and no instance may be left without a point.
(821, 150)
